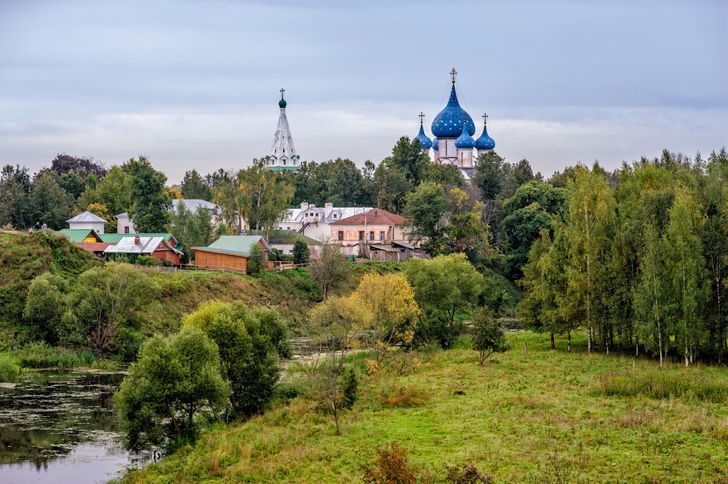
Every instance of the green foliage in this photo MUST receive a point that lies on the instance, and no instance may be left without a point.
(262, 195)
(443, 286)
(256, 261)
(488, 336)
(147, 260)
(194, 187)
(249, 343)
(14, 189)
(48, 203)
(114, 192)
(174, 382)
(191, 229)
(350, 388)
(426, 208)
(300, 252)
(665, 385)
(45, 306)
(330, 270)
(468, 473)
(39, 354)
(150, 202)
(339, 182)
(9, 368)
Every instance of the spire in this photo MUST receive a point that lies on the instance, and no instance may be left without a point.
(283, 151)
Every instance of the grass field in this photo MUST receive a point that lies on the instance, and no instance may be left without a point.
(536, 415)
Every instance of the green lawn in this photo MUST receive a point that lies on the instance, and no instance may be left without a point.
(538, 415)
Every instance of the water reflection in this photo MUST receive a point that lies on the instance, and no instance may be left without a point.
(59, 427)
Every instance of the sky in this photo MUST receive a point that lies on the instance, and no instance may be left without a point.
(195, 84)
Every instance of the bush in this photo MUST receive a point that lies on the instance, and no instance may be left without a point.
(256, 261)
(9, 368)
(45, 306)
(175, 380)
(488, 337)
(300, 252)
(147, 260)
(663, 384)
(351, 388)
(404, 397)
(391, 466)
(467, 474)
(39, 355)
(249, 343)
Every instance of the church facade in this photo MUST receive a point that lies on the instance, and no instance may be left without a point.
(453, 133)
(283, 156)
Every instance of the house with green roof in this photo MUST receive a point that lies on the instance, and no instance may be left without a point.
(229, 252)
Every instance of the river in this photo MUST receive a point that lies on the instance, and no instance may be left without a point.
(59, 427)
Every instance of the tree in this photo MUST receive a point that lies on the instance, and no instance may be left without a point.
(150, 202)
(191, 229)
(336, 324)
(330, 269)
(300, 252)
(45, 305)
(686, 267)
(83, 167)
(114, 191)
(257, 259)
(390, 301)
(426, 208)
(443, 286)
(488, 336)
(490, 173)
(248, 342)
(467, 230)
(390, 186)
(48, 203)
(193, 186)
(264, 195)
(650, 292)
(106, 303)
(410, 159)
(14, 190)
(175, 380)
(516, 175)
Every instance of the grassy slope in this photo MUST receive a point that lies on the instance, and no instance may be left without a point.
(527, 416)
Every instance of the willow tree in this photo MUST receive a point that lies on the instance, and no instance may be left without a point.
(587, 234)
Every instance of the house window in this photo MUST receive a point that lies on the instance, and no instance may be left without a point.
(381, 235)
(361, 235)
(371, 235)
(126, 229)
(340, 235)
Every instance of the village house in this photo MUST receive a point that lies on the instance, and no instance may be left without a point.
(229, 252)
(283, 241)
(315, 222)
(87, 220)
(124, 224)
(376, 234)
(133, 247)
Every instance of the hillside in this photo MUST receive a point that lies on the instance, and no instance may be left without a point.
(535, 415)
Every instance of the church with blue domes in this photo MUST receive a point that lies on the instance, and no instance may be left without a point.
(453, 133)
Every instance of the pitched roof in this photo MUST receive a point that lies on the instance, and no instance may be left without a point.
(146, 245)
(375, 216)
(78, 235)
(234, 244)
(193, 204)
(93, 246)
(286, 237)
(85, 217)
(115, 238)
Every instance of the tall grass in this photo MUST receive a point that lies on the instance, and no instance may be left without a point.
(663, 384)
(40, 355)
(9, 368)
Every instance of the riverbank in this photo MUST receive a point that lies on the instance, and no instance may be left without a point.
(527, 415)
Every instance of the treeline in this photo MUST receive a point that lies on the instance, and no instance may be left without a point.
(637, 257)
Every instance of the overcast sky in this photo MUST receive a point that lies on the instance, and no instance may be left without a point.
(194, 84)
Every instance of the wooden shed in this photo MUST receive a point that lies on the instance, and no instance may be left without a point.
(229, 253)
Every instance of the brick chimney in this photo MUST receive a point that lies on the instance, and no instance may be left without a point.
(137, 239)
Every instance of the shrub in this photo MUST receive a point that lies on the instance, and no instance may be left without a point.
(256, 261)
(45, 306)
(488, 337)
(300, 252)
(467, 474)
(9, 368)
(39, 355)
(404, 397)
(175, 380)
(147, 260)
(391, 467)
(662, 384)
(351, 388)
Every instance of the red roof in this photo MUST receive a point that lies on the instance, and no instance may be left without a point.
(376, 216)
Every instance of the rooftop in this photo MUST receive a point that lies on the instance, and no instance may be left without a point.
(377, 216)
(234, 244)
(85, 217)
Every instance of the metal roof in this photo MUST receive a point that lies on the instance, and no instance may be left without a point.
(193, 204)
(235, 244)
(127, 245)
(78, 235)
(115, 238)
(86, 217)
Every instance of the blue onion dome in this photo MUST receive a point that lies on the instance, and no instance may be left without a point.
(485, 142)
(423, 139)
(449, 122)
(465, 140)
(435, 144)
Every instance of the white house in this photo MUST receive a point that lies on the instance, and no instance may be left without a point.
(87, 220)
(124, 225)
(314, 222)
